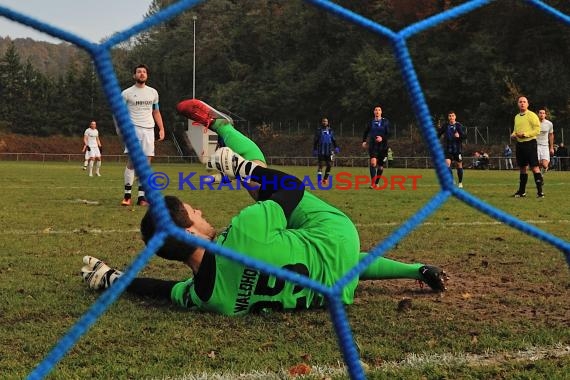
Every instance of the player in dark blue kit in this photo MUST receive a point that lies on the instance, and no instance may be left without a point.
(454, 134)
(376, 138)
(324, 148)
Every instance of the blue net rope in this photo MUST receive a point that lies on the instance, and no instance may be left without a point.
(101, 56)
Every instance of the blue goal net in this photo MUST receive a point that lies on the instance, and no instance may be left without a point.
(101, 56)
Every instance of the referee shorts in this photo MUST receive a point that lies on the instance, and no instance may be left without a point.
(527, 154)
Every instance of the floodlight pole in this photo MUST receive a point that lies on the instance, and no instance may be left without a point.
(194, 59)
(92, 88)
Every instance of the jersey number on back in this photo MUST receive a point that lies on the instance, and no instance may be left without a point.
(271, 286)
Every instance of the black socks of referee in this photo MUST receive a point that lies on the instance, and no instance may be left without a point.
(538, 181)
(523, 178)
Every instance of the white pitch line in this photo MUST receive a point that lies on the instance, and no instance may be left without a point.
(412, 361)
(96, 231)
(475, 223)
(49, 231)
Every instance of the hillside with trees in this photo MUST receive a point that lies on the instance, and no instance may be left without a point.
(268, 61)
(53, 60)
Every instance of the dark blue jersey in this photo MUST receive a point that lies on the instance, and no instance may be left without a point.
(375, 128)
(324, 142)
(451, 143)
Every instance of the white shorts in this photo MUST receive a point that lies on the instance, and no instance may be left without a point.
(146, 139)
(94, 152)
(543, 152)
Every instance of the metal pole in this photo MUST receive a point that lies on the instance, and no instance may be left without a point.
(92, 89)
(194, 60)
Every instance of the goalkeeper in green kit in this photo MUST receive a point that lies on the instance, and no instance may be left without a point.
(287, 227)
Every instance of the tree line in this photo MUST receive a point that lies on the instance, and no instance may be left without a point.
(270, 60)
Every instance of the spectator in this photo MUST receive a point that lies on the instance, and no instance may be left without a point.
(476, 157)
(480, 160)
(562, 154)
(390, 158)
(554, 161)
(484, 161)
(508, 154)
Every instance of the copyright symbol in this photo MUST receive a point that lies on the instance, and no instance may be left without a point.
(158, 181)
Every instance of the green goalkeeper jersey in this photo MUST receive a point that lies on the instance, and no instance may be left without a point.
(318, 241)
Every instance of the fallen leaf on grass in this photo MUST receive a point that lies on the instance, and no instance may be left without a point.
(300, 369)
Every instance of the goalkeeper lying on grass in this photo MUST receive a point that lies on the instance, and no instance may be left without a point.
(287, 227)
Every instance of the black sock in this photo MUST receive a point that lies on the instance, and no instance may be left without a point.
(284, 189)
(538, 182)
(373, 171)
(151, 287)
(523, 177)
(379, 174)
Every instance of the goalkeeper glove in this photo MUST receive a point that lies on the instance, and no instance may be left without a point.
(231, 164)
(337, 150)
(97, 274)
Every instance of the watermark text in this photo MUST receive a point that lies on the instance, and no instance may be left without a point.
(340, 181)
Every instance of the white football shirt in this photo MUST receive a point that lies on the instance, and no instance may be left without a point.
(546, 128)
(140, 103)
(92, 135)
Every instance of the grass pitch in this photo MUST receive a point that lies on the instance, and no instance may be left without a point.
(506, 313)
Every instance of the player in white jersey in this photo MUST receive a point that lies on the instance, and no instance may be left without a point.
(545, 141)
(142, 103)
(92, 148)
